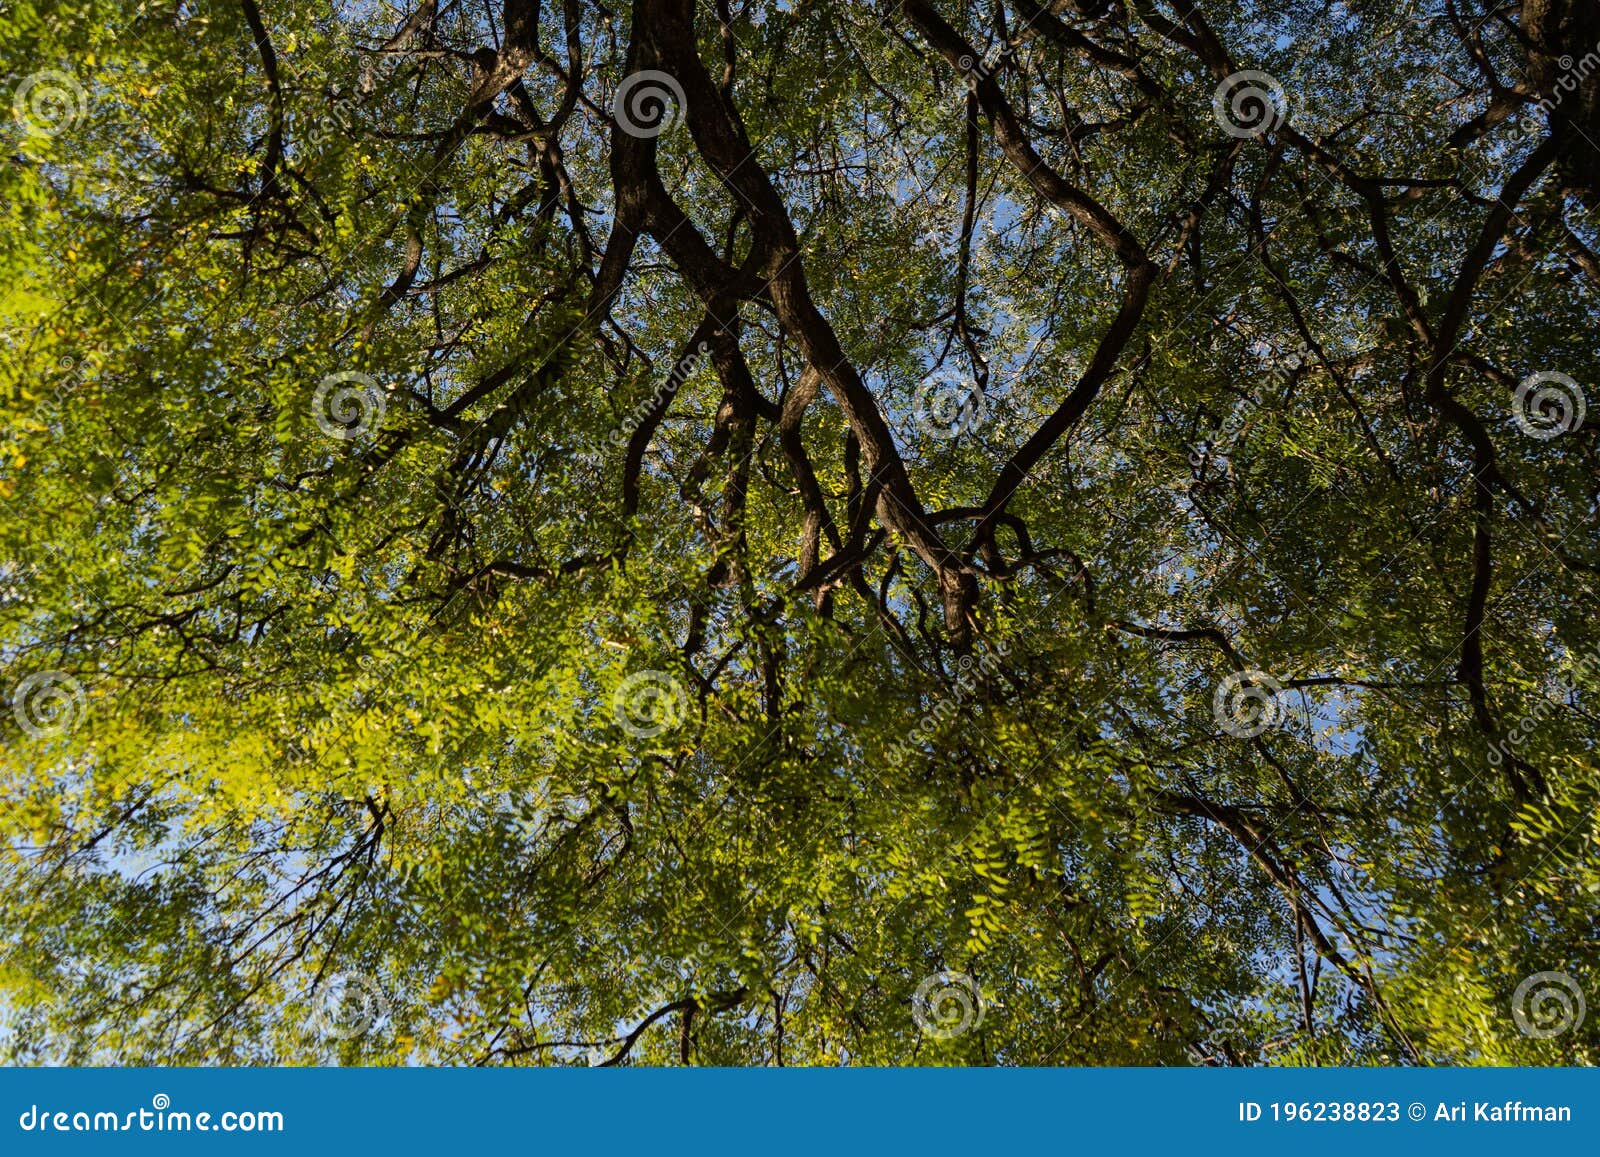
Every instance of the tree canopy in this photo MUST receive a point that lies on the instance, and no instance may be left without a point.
(799, 532)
